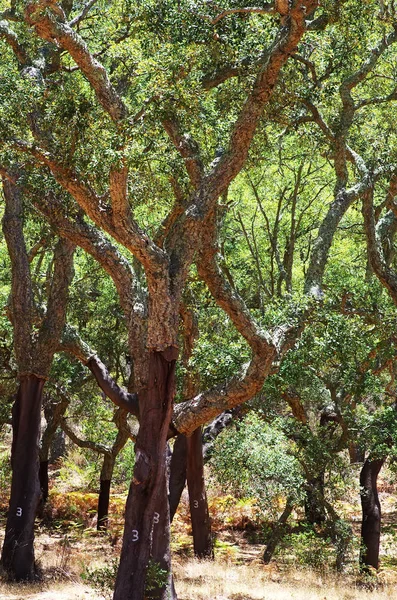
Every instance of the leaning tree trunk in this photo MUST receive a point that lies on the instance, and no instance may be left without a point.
(18, 551)
(146, 506)
(277, 533)
(201, 522)
(370, 529)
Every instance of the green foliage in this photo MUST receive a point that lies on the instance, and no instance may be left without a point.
(5, 475)
(256, 459)
(79, 470)
(156, 578)
(102, 579)
(306, 548)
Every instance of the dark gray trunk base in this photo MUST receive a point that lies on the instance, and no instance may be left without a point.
(201, 522)
(103, 505)
(370, 529)
(18, 551)
(177, 473)
(43, 478)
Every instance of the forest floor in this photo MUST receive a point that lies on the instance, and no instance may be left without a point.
(79, 564)
(219, 580)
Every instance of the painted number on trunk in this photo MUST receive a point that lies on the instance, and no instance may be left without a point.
(19, 511)
(156, 518)
(195, 504)
(135, 535)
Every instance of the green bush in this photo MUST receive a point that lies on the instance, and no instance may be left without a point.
(307, 549)
(103, 578)
(254, 459)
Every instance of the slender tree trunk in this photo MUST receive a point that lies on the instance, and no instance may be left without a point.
(58, 445)
(277, 533)
(370, 529)
(52, 443)
(314, 507)
(43, 478)
(18, 551)
(201, 522)
(104, 492)
(147, 498)
(177, 473)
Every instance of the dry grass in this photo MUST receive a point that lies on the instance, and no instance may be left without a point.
(199, 580)
(57, 591)
(204, 580)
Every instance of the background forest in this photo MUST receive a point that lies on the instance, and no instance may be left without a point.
(198, 287)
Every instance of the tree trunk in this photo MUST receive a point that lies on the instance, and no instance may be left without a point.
(201, 522)
(43, 478)
(103, 505)
(277, 533)
(177, 473)
(161, 556)
(58, 446)
(104, 492)
(314, 507)
(18, 551)
(356, 454)
(370, 529)
(146, 503)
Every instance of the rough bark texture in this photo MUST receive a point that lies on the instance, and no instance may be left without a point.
(201, 522)
(386, 275)
(34, 353)
(148, 487)
(18, 551)
(370, 529)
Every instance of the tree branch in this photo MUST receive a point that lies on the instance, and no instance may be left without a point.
(244, 129)
(12, 40)
(263, 10)
(206, 406)
(74, 345)
(82, 15)
(21, 283)
(54, 320)
(100, 448)
(386, 275)
(49, 21)
(188, 149)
